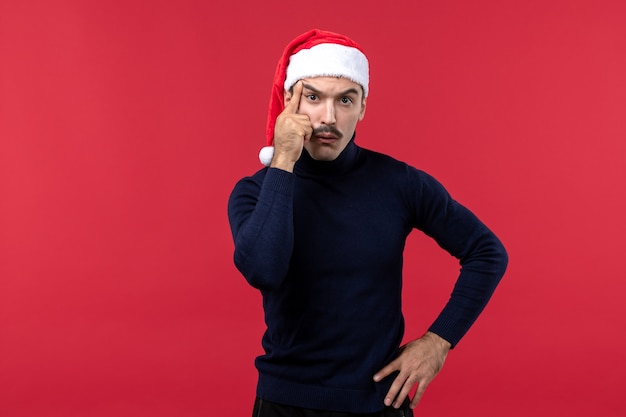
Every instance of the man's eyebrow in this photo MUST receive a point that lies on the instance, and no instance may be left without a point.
(343, 93)
(310, 87)
(349, 91)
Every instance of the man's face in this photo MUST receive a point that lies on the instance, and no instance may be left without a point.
(334, 106)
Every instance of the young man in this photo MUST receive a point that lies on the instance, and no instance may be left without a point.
(321, 231)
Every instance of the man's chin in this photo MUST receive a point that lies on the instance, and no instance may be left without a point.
(324, 156)
(324, 152)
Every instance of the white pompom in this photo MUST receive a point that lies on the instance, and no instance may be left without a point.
(266, 155)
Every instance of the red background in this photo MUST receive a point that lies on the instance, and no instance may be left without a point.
(124, 126)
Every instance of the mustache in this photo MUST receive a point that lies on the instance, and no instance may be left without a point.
(327, 129)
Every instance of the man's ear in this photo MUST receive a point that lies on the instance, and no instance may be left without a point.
(286, 97)
(363, 105)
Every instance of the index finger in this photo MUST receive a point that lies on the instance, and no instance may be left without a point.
(390, 368)
(294, 100)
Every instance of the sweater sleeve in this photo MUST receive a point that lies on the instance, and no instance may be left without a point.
(482, 256)
(260, 212)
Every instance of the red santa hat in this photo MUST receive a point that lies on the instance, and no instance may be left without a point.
(315, 53)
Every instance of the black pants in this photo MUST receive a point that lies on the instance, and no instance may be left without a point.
(264, 408)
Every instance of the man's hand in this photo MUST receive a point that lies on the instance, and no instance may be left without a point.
(418, 363)
(292, 130)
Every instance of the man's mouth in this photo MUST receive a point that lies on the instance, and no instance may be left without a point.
(326, 133)
(326, 136)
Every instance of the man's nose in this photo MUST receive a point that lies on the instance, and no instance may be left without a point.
(329, 113)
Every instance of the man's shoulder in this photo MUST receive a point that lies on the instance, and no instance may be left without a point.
(378, 157)
(273, 178)
(398, 172)
(387, 161)
(255, 176)
(251, 180)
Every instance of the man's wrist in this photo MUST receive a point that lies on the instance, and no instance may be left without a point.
(282, 162)
(443, 343)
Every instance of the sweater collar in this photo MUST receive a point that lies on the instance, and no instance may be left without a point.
(343, 163)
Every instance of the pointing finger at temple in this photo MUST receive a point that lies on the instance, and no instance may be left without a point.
(294, 101)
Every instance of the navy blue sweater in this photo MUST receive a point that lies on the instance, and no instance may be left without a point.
(325, 247)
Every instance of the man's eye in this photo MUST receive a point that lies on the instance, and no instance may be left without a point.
(346, 100)
(311, 96)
